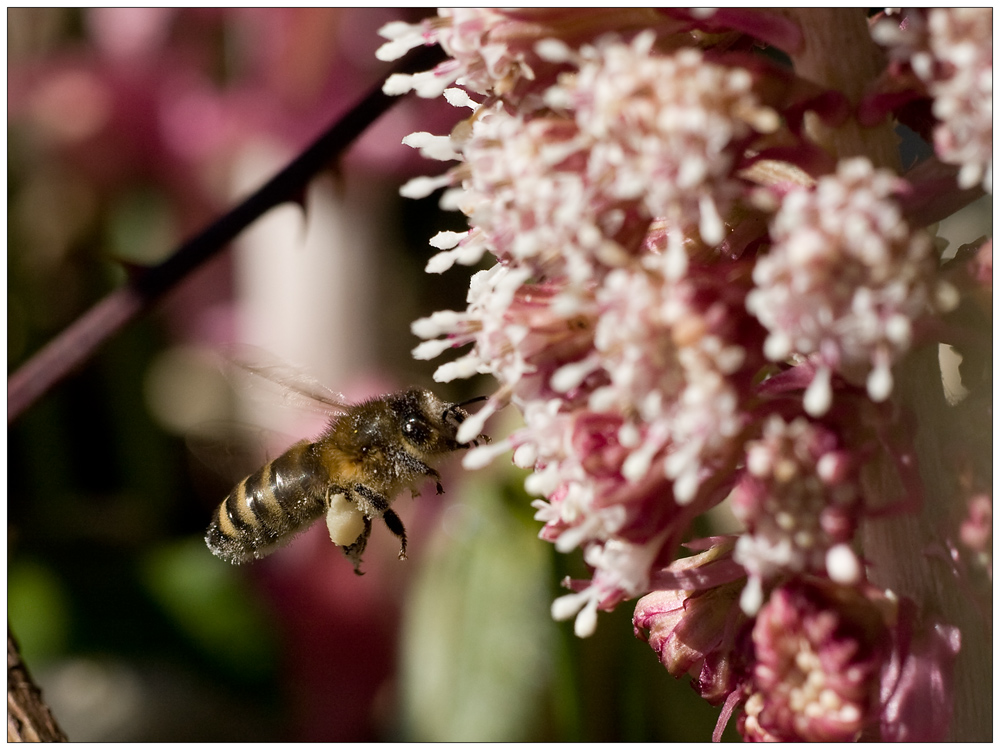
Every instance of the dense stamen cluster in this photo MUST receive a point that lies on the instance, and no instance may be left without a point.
(815, 668)
(845, 280)
(798, 500)
(692, 300)
(950, 50)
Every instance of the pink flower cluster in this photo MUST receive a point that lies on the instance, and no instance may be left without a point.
(950, 51)
(845, 280)
(689, 300)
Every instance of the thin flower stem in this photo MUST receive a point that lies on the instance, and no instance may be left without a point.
(81, 339)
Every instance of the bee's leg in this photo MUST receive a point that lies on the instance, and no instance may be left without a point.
(396, 527)
(369, 502)
(377, 505)
(417, 466)
(354, 551)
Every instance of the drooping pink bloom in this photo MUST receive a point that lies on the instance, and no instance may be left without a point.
(697, 628)
(818, 651)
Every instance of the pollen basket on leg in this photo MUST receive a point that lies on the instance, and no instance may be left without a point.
(344, 521)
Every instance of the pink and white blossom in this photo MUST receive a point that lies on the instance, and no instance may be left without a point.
(694, 298)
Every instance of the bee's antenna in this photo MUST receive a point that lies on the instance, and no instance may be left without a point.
(454, 407)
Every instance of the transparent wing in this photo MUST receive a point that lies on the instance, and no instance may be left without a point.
(258, 370)
(231, 450)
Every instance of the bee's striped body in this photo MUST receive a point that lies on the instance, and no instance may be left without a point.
(366, 456)
(279, 499)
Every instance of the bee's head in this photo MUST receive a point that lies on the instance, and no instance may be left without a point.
(430, 424)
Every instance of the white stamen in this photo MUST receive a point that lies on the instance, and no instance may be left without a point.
(842, 565)
(819, 394)
(431, 349)
(437, 324)
(569, 376)
(460, 98)
(436, 147)
(880, 382)
(421, 187)
(447, 240)
(554, 51)
(752, 597)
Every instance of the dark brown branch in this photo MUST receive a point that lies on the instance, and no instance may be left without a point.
(28, 718)
(81, 339)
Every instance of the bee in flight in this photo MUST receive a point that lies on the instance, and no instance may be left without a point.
(367, 455)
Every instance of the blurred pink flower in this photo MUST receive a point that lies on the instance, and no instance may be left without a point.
(950, 51)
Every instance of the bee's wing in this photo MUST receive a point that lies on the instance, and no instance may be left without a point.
(232, 450)
(297, 388)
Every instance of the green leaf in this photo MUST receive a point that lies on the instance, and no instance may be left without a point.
(211, 604)
(38, 610)
(477, 635)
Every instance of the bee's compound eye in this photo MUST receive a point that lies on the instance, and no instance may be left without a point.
(416, 431)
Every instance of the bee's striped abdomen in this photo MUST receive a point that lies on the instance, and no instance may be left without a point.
(272, 504)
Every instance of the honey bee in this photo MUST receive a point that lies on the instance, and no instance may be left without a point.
(367, 455)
